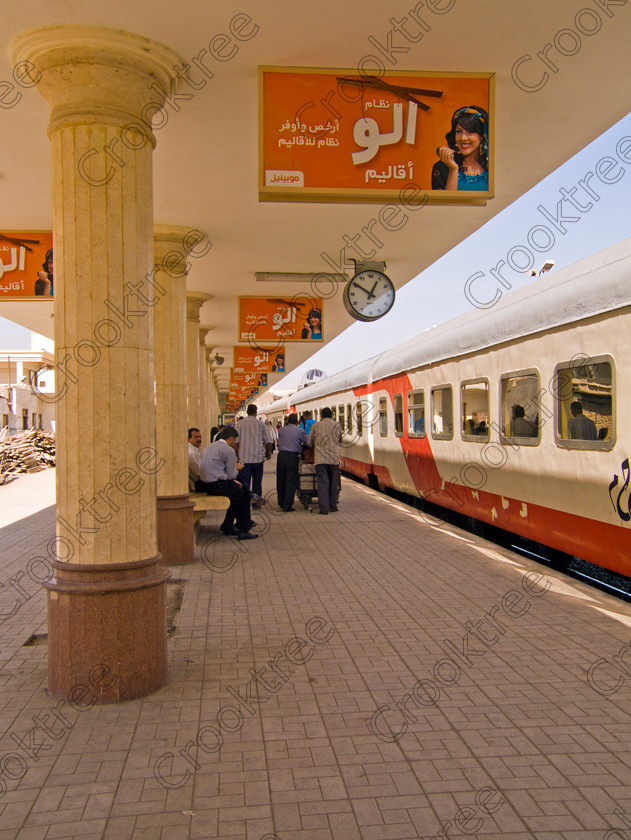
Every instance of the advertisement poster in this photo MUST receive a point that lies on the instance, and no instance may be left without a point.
(26, 264)
(334, 135)
(280, 319)
(251, 379)
(263, 360)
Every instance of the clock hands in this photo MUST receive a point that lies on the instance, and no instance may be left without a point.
(371, 293)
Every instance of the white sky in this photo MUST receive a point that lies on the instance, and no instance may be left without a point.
(437, 294)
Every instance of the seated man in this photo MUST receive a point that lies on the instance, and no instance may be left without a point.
(218, 470)
(194, 456)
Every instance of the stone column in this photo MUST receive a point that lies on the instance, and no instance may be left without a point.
(106, 602)
(212, 391)
(203, 424)
(175, 510)
(194, 302)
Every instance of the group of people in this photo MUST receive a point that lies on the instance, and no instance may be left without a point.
(232, 465)
(324, 438)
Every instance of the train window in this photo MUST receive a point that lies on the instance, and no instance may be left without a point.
(383, 417)
(519, 407)
(360, 419)
(333, 413)
(340, 416)
(398, 415)
(416, 413)
(349, 418)
(443, 412)
(474, 400)
(584, 390)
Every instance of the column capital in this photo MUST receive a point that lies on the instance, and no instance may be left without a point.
(204, 329)
(97, 75)
(194, 302)
(182, 240)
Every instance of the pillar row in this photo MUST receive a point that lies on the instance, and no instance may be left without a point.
(194, 303)
(174, 508)
(204, 412)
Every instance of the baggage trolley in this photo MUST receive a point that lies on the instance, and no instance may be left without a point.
(307, 487)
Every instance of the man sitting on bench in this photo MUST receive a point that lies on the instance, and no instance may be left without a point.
(218, 470)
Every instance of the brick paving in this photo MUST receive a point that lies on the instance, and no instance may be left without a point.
(474, 677)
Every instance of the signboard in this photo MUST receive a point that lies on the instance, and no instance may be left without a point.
(26, 264)
(248, 379)
(280, 319)
(267, 360)
(333, 135)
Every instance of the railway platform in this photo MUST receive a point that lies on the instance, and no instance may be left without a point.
(371, 675)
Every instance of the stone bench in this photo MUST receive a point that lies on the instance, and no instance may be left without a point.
(204, 503)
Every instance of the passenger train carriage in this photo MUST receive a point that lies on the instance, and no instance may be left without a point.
(479, 415)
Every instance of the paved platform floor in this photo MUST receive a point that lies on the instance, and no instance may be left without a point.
(370, 675)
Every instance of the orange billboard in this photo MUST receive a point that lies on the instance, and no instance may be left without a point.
(331, 135)
(249, 379)
(280, 319)
(263, 359)
(26, 264)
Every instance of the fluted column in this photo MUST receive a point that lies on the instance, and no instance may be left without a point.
(175, 510)
(107, 599)
(194, 302)
(203, 424)
(212, 393)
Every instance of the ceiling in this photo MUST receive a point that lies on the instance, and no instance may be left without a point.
(206, 159)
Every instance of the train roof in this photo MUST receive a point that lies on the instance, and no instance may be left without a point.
(594, 285)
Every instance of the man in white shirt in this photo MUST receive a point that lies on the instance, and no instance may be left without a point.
(255, 446)
(218, 471)
(194, 456)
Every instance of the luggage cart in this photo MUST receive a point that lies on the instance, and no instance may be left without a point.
(307, 486)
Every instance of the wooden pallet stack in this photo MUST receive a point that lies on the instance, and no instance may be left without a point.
(26, 452)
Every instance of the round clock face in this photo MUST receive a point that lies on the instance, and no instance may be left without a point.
(369, 295)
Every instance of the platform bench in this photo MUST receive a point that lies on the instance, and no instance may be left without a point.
(204, 503)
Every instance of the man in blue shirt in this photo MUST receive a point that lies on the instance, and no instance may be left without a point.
(218, 470)
(291, 439)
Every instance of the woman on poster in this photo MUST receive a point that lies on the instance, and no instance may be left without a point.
(464, 161)
(313, 325)
(44, 282)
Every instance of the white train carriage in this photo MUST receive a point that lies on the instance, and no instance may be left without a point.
(480, 415)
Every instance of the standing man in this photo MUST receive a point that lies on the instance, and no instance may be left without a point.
(194, 456)
(255, 446)
(290, 442)
(218, 471)
(579, 426)
(326, 438)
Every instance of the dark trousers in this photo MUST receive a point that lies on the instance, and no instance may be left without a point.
(287, 478)
(251, 476)
(239, 509)
(328, 480)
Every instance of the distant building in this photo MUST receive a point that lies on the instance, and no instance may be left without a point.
(24, 375)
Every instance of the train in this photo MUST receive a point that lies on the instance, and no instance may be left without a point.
(516, 416)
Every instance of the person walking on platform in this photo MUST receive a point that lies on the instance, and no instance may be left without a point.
(326, 439)
(218, 471)
(291, 439)
(255, 446)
